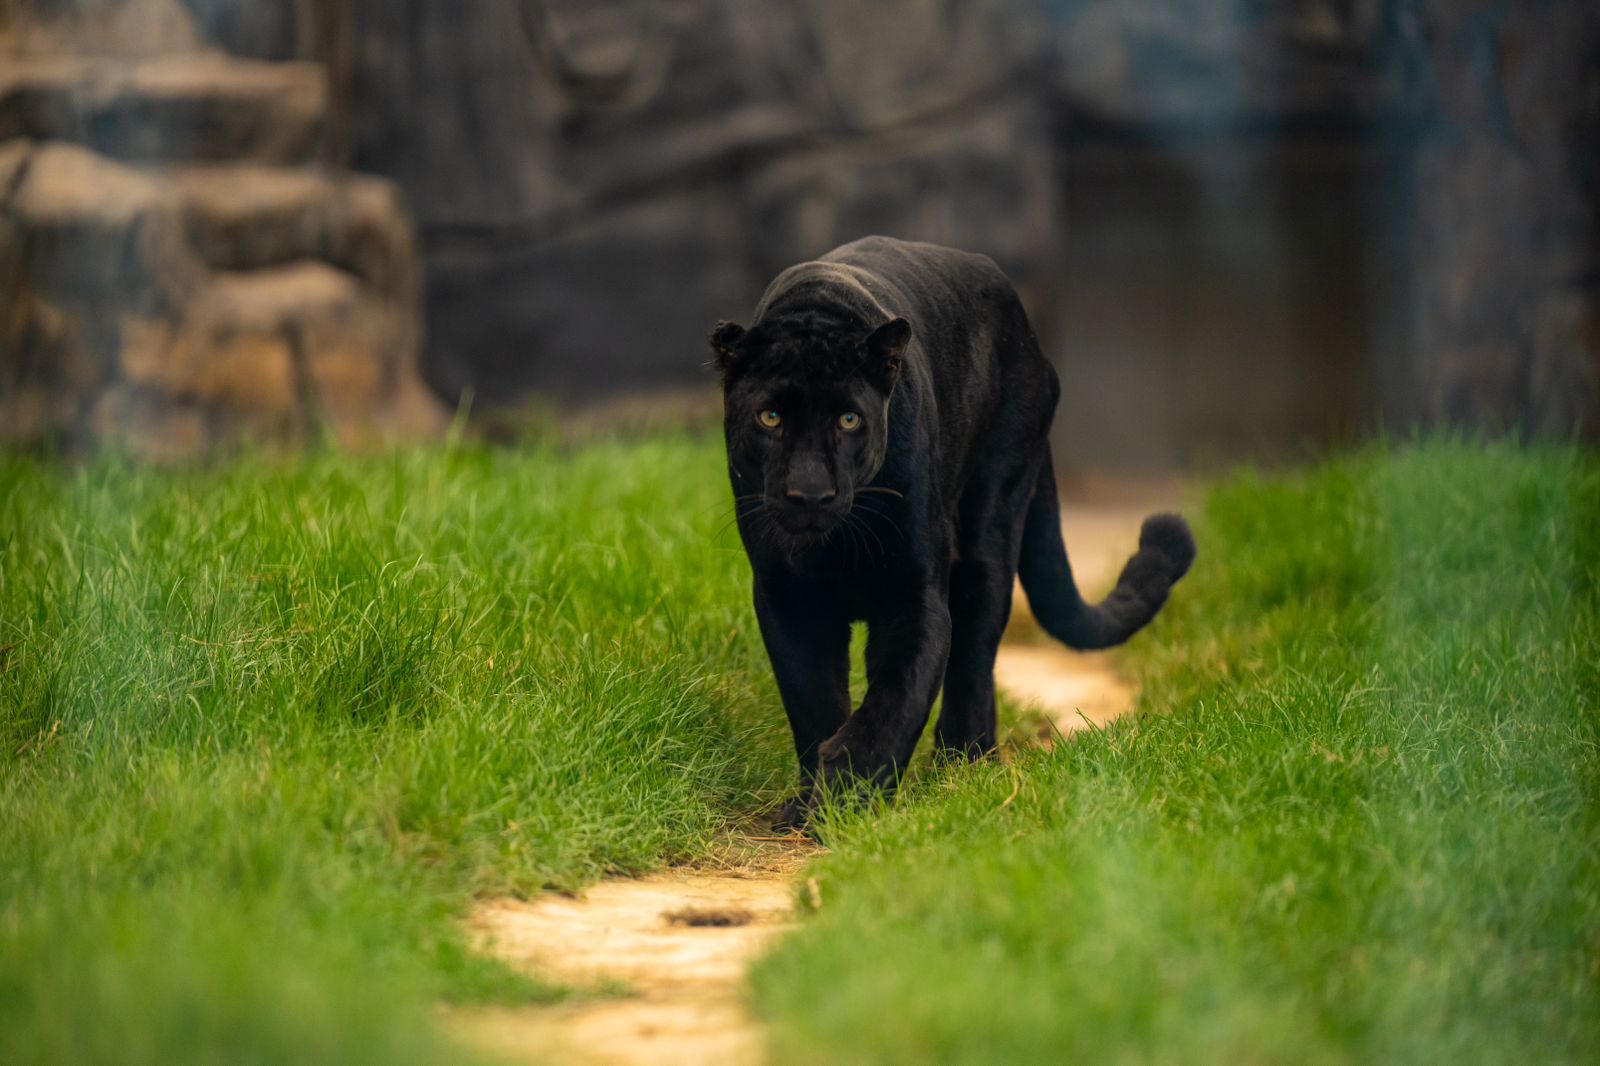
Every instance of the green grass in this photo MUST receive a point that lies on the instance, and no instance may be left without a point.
(266, 729)
(1357, 818)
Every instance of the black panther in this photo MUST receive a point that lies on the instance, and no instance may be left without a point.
(887, 418)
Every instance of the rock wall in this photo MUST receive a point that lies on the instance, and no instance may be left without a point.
(1239, 227)
(1506, 248)
(596, 184)
(178, 266)
(1223, 259)
(1346, 208)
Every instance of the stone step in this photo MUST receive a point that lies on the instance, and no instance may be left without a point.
(91, 232)
(266, 342)
(246, 217)
(179, 306)
(99, 228)
(205, 105)
(97, 27)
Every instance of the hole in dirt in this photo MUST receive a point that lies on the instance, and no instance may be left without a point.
(709, 917)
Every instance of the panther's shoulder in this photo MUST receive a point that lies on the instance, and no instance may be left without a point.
(876, 278)
(893, 256)
(827, 284)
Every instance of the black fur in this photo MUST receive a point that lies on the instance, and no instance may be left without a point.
(914, 519)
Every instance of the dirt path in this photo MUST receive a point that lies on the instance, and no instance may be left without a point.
(679, 941)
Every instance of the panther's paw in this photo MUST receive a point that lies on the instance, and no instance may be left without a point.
(852, 755)
(794, 813)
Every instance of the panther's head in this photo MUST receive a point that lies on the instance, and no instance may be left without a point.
(806, 415)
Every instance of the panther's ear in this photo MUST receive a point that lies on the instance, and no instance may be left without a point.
(886, 346)
(725, 340)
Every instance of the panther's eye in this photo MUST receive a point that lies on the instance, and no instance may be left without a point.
(769, 418)
(849, 421)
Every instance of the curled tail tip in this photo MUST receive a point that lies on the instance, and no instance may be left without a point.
(1169, 535)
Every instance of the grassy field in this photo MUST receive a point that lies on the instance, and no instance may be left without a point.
(1357, 818)
(266, 729)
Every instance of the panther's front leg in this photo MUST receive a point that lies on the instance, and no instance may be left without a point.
(907, 647)
(808, 642)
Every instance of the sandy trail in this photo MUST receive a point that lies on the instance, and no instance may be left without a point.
(680, 941)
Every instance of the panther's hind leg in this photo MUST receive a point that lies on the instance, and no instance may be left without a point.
(993, 509)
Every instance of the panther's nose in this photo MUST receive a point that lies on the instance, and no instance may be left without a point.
(810, 499)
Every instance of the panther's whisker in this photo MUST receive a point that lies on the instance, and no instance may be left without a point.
(867, 530)
(850, 526)
(857, 544)
(738, 516)
(777, 534)
(875, 513)
(863, 533)
(852, 522)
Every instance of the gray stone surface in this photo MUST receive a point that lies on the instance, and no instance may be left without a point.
(1504, 258)
(1346, 229)
(1457, 139)
(1182, 65)
(597, 184)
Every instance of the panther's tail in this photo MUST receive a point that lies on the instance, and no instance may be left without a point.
(1166, 548)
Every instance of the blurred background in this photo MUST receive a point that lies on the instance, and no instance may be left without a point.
(1244, 229)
